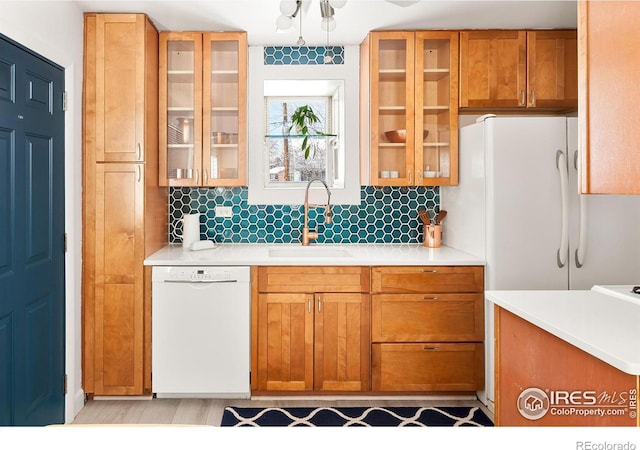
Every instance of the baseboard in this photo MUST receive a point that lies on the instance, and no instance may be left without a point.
(123, 397)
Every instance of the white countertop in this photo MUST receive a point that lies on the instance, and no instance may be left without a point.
(313, 255)
(605, 326)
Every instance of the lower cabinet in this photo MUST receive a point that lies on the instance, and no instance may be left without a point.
(322, 329)
(316, 340)
(427, 329)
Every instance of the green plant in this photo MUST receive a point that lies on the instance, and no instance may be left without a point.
(303, 119)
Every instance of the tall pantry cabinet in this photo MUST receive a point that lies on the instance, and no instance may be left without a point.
(124, 209)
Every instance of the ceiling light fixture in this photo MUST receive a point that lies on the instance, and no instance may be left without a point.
(291, 8)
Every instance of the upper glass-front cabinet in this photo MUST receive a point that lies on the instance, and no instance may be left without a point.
(413, 99)
(203, 79)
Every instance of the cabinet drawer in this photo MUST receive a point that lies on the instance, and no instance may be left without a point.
(427, 367)
(431, 279)
(313, 279)
(427, 317)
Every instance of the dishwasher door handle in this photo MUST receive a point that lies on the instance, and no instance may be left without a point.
(200, 281)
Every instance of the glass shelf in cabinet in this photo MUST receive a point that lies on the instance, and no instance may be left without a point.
(298, 136)
(392, 74)
(180, 76)
(435, 74)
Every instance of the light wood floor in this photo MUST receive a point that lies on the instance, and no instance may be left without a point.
(209, 411)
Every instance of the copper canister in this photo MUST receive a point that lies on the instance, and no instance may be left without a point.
(432, 236)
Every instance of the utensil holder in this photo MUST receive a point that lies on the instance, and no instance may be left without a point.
(432, 236)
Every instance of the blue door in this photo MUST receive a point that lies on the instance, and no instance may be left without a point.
(31, 238)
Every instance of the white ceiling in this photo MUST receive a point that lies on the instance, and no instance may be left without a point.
(354, 20)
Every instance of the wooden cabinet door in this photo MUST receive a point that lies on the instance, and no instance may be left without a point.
(119, 288)
(493, 69)
(608, 97)
(285, 342)
(427, 367)
(552, 69)
(428, 279)
(392, 106)
(180, 108)
(436, 108)
(119, 87)
(224, 99)
(342, 342)
(427, 317)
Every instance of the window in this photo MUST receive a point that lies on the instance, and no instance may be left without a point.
(287, 164)
(278, 173)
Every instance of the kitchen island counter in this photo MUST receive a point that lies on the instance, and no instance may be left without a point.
(566, 358)
(313, 255)
(602, 325)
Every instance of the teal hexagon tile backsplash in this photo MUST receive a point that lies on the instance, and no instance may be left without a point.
(385, 215)
(307, 55)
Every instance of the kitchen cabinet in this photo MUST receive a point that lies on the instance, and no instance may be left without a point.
(608, 97)
(409, 82)
(203, 95)
(552, 365)
(312, 330)
(124, 209)
(514, 69)
(427, 328)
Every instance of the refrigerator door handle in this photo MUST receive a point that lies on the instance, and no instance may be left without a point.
(563, 251)
(582, 233)
(582, 217)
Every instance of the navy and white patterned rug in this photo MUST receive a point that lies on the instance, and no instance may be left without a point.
(455, 416)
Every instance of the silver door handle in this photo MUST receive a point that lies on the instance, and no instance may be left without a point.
(563, 250)
(309, 304)
(319, 303)
(533, 98)
(430, 298)
(139, 174)
(523, 97)
(429, 271)
(205, 177)
(139, 151)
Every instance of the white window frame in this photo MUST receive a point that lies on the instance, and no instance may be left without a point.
(258, 191)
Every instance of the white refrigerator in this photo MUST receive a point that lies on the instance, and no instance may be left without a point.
(517, 206)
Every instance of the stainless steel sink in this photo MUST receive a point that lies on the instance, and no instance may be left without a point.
(308, 252)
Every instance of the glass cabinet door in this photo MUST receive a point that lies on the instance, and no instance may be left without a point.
(224, 105)
(180, 108)
(436, 136)
(392, 97)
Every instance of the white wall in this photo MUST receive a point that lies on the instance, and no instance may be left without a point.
(54, 29)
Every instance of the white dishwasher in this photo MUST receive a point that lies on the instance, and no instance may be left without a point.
(200, 332)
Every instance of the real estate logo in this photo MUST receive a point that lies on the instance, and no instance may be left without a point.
(533, 403)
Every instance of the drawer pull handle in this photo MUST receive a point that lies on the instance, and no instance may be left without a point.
(432, 349)
(430, 298)
(429, 271)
